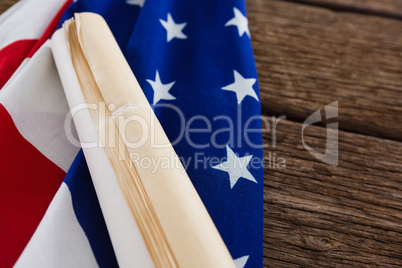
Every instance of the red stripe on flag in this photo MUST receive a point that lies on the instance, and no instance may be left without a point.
(28, 183)
(11, 58)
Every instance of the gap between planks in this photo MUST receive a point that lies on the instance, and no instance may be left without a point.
(386, 8)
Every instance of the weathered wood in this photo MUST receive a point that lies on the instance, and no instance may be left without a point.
(308, 57)
(386, 8)
(317, 215)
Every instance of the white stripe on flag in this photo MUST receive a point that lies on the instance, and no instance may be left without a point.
(9, 12)
(29, 22)
(15, 74)
(36, 101)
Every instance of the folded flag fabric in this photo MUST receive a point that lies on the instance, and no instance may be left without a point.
(35, 153)
(22, 37)
(193, 61)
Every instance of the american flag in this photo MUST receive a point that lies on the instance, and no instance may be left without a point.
(194, 62)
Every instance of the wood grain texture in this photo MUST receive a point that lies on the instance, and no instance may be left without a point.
(317, 215)
(386, 8)
(308, 57)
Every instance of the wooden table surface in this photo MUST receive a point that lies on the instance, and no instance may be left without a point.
(310, 53)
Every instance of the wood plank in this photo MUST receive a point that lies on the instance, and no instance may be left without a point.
(386, 8)
(308, 57)
(316, 215)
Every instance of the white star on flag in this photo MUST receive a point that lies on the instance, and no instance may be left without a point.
(174, 30)
(241, 262)
(240, 21)
(236, 167)
(139, 3)
(242, 87)
(161, 91)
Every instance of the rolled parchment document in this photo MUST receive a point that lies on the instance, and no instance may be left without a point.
(154, 215)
